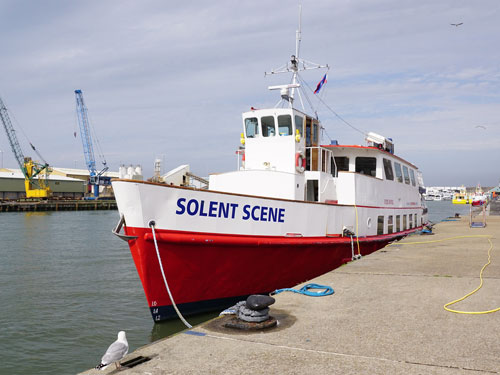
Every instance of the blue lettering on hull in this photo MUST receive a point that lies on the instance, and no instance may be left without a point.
(195, 207)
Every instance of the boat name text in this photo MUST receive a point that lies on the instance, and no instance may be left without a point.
(194, 207)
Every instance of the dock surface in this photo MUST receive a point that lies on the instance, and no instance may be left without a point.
(386, 317)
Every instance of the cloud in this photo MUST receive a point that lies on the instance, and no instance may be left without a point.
(173, 80)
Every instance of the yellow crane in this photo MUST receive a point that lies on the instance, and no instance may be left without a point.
(35, 174)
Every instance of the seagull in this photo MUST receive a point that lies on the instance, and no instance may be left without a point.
(115, 352)
(456, 24)
(481, 126)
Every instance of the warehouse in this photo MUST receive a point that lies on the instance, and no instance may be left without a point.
(64, 182)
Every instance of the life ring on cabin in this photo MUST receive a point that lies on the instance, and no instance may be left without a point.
(300, 162)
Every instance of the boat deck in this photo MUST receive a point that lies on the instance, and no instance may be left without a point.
(386, 317)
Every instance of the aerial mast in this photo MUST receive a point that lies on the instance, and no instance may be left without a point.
(295, 66)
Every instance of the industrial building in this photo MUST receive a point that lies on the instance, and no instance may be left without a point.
(63, 182)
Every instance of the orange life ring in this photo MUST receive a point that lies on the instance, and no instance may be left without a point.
(300, 162)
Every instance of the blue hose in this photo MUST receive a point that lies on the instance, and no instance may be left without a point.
(305, 290)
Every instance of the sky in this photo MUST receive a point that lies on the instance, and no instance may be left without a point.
(170, 80)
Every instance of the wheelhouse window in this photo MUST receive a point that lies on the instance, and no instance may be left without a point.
(268, 129)
(285, 125)
(325, 156)
(366, 165)
(380, 225)
(389, 175)
(299, 124)
(407, 175)
(342, 163)
(412, 175)
(399, 175)
(251, 127)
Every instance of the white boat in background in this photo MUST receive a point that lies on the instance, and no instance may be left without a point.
(294, 210)
(479, 198)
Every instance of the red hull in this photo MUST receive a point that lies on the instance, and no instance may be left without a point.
(209, 271)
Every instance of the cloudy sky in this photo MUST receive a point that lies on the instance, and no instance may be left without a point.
(170, 79)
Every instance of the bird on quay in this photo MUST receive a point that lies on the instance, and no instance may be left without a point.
(115, 352)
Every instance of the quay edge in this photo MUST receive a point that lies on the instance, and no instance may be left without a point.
(386, 316)
(56, 205)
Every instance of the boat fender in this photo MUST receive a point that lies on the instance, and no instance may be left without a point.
(297, 135)
(300, 162)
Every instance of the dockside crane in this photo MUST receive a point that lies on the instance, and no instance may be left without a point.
(35, 174)
(96, 178)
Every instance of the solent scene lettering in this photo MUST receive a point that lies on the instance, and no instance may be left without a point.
(195, 207)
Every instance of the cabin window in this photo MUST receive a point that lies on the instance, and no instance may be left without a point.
(315, 134)
(251, 127)
(380, 225)
(404, 222)
(399, 175)
(412, 175)
(365, 165)
(324, 160)
(398, 223)
(410, 221)
(389, 224)
(342, 163)
(389, 175)
(407, 175)
(285, 125)
(268, 129)
(299, 124)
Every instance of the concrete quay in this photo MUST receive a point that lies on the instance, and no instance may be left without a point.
(386, 317)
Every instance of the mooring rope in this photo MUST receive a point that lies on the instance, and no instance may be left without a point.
(327, 290)
(152, 225)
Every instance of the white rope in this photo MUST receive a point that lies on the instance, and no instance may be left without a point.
(152, 225)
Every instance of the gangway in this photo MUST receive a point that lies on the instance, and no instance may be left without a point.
(474, 214)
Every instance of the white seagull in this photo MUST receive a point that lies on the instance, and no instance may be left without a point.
(115, 352)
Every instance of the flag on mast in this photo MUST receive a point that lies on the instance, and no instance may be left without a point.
(321, 83)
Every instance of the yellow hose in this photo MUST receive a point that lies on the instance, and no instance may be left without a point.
(488, 237)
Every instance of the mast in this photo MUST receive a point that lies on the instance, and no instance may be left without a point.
(295, 66)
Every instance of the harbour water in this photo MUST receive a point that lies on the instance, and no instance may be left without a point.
(67, 286)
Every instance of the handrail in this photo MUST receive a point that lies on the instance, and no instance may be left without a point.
(118, 228)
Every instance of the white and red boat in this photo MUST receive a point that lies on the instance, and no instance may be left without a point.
(294, 210)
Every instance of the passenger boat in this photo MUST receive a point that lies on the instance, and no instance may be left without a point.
(294, 210)
(461, 196)
(479, 198)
